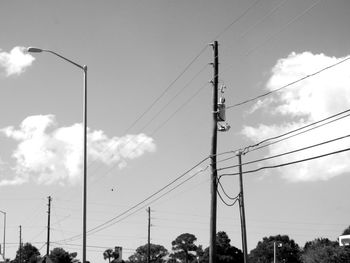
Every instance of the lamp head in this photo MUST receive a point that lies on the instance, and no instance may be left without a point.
(34, 50)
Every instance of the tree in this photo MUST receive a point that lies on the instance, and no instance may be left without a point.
(28, 254)
(225, 253)
(59, 255)
(107, 254)
(184, 248)
(110, 254)
(346, 231)
(157, 254)
(287, 250)
(323, 250)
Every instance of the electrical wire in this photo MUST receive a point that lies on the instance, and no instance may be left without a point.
(279, 31)
(236, 20)
(227, 204)
(247, 148)
(134, 212)
(174, 97)
(149, 203)
(162, 124)
(278, 6)
(287, 85)
(163, 93)
(223, 190)
(182, 73)
(266, 145)
(100, 226)
(289, 163)
(179, 108)
(286, 153)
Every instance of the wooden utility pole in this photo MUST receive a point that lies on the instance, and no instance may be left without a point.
(20, 244)
(241, 209)
(213, 189)
(48, 226)
(149, 236)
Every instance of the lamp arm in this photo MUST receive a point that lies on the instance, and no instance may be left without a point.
(64, 58)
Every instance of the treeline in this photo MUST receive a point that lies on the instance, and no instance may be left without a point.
(185, 250)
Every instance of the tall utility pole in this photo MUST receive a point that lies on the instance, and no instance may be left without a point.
(213, 188)
(149, 236)
(4, 241)
(48, 226)
(20, 244)
(241, 209)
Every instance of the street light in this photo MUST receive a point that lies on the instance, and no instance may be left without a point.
(84, 68)
(3, 254)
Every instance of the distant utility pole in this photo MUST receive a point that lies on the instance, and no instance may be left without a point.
(48, 226)
(20, 244)
(4, 241)
(241, 209)
(213, 188)
(149, 236)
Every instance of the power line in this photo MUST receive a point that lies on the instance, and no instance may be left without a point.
(287, 85)
(174, 97)
(227, 204)
(223, 190)
(149, 203)
(180, 75)
(280, 4)
(143, 201)
(286, 153)
(179, 108)
(272, 36)
(313, 128)
(289, 163)
(247, 148)
(236, 20)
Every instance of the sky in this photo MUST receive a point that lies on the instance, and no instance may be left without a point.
(150, 116)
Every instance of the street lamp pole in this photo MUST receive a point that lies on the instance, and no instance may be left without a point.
(84, 68)
(3, 254)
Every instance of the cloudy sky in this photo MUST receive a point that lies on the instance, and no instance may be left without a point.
(149, 119)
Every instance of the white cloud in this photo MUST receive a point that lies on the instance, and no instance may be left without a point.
(50, 155)
(16, 61)
(305, 102)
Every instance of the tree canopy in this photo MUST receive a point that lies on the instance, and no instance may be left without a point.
(110, 254)
(287, 250)
(59, 255)
(27, 254)
(346, 231)
(323, 250)
(157, 254)
(225, 253)
(184, 248)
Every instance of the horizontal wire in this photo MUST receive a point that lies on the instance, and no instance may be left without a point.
(289, 132)
(288, 163)
(247, 149)
(302, 132)
(286, 153)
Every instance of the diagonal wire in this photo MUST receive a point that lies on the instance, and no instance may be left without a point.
(289, 84)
